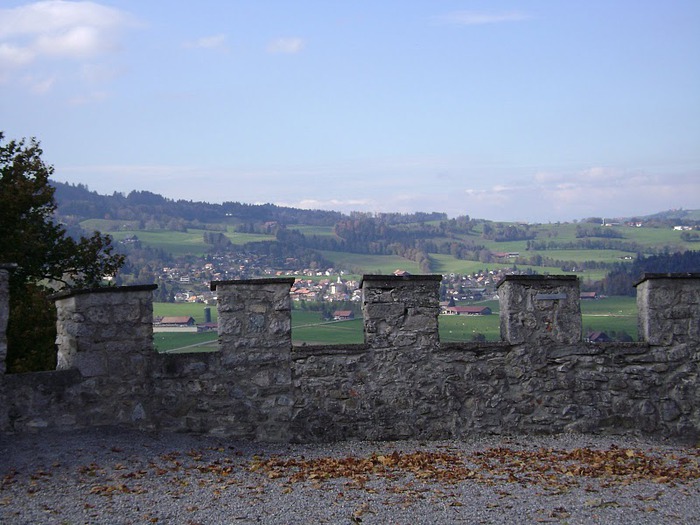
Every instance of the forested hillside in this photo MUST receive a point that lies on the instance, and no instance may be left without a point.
(157, 232)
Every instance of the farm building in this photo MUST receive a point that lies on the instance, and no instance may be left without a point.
(598, 337)
(467, 310)
(181, 320)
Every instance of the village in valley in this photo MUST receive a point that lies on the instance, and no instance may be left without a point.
(329, 286)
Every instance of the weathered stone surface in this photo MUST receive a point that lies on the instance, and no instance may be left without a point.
(401, 384)
(5, 270)
(668, 307)
(540, 309)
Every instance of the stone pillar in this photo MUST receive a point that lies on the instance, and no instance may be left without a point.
(5, 270)
(669, 308)
(401, 311)
(540, 309)
(255, 337)
(107, 335)
(99, 330)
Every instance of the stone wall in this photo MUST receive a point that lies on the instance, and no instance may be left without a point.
(5, 270)
(401, 383)
(244, 390)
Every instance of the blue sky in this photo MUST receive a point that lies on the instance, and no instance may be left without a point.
(523, 110)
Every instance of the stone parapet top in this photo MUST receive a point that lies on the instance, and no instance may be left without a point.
(536, 278)
(8, 266)
(306, 350)
(400, 278)
(104, 289)
(261, 280)
(652, 276)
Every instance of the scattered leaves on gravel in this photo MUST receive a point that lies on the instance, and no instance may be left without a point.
(493, 465)
(554, 469)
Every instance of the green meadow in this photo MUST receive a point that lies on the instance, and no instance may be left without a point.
(310, 230)
(308, 328)
(176, 243)
(190, 242)
(372, 264)
(611, 314)
(177, 343)
(195, 310)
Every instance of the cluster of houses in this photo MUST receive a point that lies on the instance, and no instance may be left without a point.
(325, 290)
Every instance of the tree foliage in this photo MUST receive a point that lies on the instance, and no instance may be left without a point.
(47, 258)
(621, 280)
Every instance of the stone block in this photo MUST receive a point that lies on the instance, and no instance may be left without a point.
(667, 308)
(540, 309)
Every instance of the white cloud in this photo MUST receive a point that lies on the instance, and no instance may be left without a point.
(54, 30)
(75, 43)
(289, 46)
(594, 176)
(56, 15)
(208, 42)
(14, 56)
(470, 18)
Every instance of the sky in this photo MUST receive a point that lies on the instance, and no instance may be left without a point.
(521, 110)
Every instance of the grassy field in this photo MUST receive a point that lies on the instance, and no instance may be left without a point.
(463, 328)
(177, 343)
(308, 328)
(108, 225)
(243, 238)
(190, 242)
(616, 314)
(566, 233)
(372, 264)
(195, 310)
(319, 231)
(176, 243)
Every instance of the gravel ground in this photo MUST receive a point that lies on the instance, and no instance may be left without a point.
(113, 476)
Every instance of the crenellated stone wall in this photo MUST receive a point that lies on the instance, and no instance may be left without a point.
(401, 383)
(244, 390)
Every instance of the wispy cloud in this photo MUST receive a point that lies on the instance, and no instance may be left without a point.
(217, 42)
(472, 18)
(591, 192)
(329, 204)
(40, 85)
(14, 56)
(286, 45)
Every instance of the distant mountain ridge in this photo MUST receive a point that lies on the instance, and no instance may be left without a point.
(679, 214)
(80, 203)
